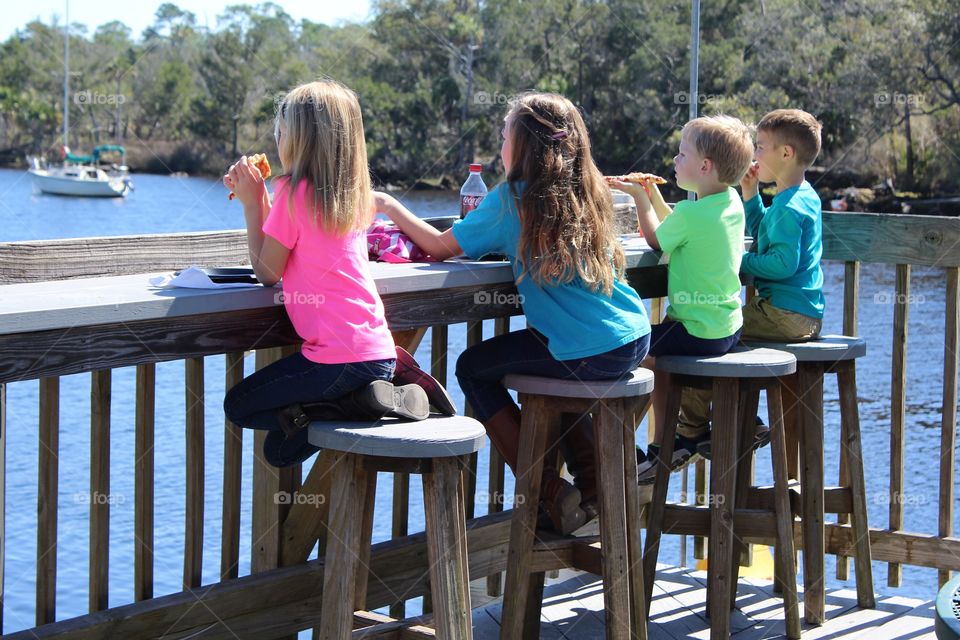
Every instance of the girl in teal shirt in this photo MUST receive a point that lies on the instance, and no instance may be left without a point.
(553, 219)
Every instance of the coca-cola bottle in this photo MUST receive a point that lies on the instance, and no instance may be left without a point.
(472, 191)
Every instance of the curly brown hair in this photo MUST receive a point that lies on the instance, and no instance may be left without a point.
(566, 209)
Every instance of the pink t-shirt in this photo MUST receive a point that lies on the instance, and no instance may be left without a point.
(328, 289)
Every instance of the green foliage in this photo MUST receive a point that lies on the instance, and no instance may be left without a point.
(435, 78)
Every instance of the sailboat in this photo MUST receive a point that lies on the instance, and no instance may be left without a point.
(79, 175)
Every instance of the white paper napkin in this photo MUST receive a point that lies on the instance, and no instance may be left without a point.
(193, 277)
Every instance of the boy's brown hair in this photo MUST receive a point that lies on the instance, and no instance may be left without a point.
(724, 140)
(796, 128)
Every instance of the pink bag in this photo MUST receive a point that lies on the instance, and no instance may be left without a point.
(386, 243)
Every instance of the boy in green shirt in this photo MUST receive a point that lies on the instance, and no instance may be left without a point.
(705, 242)
(785, 258)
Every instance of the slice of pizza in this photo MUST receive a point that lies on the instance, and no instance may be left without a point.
(638, 177)
(259, 160)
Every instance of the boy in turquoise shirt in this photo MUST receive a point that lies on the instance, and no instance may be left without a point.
(785, 259)
(705, 242)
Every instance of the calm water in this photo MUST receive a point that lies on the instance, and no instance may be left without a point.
(165, 204)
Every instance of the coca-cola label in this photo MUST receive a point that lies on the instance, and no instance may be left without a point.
(469, 203)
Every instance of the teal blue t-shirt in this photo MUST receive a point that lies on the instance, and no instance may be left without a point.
(577, 322)
(788, 241)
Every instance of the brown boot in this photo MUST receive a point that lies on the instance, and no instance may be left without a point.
(559, 498)
(579, 450)
(561, 501)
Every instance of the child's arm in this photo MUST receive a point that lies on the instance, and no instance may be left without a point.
(439, 245)
(781, 258)
(753, 207)
(267, 256)
(647, 217)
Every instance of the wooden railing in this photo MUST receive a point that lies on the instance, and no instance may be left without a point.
(283, 600)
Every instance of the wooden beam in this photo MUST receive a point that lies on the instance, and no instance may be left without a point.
(891, 238)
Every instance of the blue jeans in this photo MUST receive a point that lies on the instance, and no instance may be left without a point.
(671, 338)
(255, 400)
(481, 368)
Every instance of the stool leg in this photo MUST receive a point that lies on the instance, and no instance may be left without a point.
(749, 401)
(723, 476)
(661, 484)
(523, 524)
(607, 426)
(850, 416)
(366, 540)
(447, 549)
(343, 547)
(784, 516)
(791, 410)
(635, 408)
(810, 377)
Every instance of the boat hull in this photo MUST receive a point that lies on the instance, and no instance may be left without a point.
(71, 186)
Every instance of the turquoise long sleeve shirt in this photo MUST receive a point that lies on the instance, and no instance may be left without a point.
(788, 245)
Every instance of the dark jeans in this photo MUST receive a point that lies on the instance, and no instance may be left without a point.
(255, 400)
(670, 338)
(481, 368)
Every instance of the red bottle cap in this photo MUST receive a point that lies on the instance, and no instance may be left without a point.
(476, 168)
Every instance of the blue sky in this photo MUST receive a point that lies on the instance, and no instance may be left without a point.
(139, 15)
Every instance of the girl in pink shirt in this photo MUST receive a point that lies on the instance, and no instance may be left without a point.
(312, 235)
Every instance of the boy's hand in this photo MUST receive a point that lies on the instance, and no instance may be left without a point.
(643, 192)
(750, 183)
(384, 203)
(245, 181)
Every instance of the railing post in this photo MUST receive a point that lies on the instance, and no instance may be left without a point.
(898, 405)
(47, 500)
(193, 528)
(100, 498)
(232, 478)
(143, 482)
(948, 431)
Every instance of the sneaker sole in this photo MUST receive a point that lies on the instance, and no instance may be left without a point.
(410, 401)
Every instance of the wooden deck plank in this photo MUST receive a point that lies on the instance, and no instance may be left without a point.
(573, 608)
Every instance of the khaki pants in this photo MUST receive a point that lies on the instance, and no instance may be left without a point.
(761, 321)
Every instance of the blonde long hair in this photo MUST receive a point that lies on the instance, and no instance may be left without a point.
(324, 144)
(566, 209)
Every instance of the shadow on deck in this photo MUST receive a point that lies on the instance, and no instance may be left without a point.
(573, 608)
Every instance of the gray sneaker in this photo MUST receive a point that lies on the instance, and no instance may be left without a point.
(760, 439)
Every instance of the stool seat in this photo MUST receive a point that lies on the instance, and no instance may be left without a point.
(830, 348)
(740, 362)
(638, 383)
(435, 437)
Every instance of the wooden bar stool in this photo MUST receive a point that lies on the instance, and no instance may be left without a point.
(829, 354)
(437, 448)
(736, 380)
(617, 406)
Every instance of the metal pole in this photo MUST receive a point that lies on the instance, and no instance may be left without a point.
(694, 66)
(66, 77)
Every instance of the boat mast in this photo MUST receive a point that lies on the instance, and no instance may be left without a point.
(66, 78)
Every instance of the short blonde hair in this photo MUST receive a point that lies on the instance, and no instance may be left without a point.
(724, 140)
(323, 139)
(796, 128)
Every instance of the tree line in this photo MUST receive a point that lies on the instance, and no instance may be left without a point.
(434, 78)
